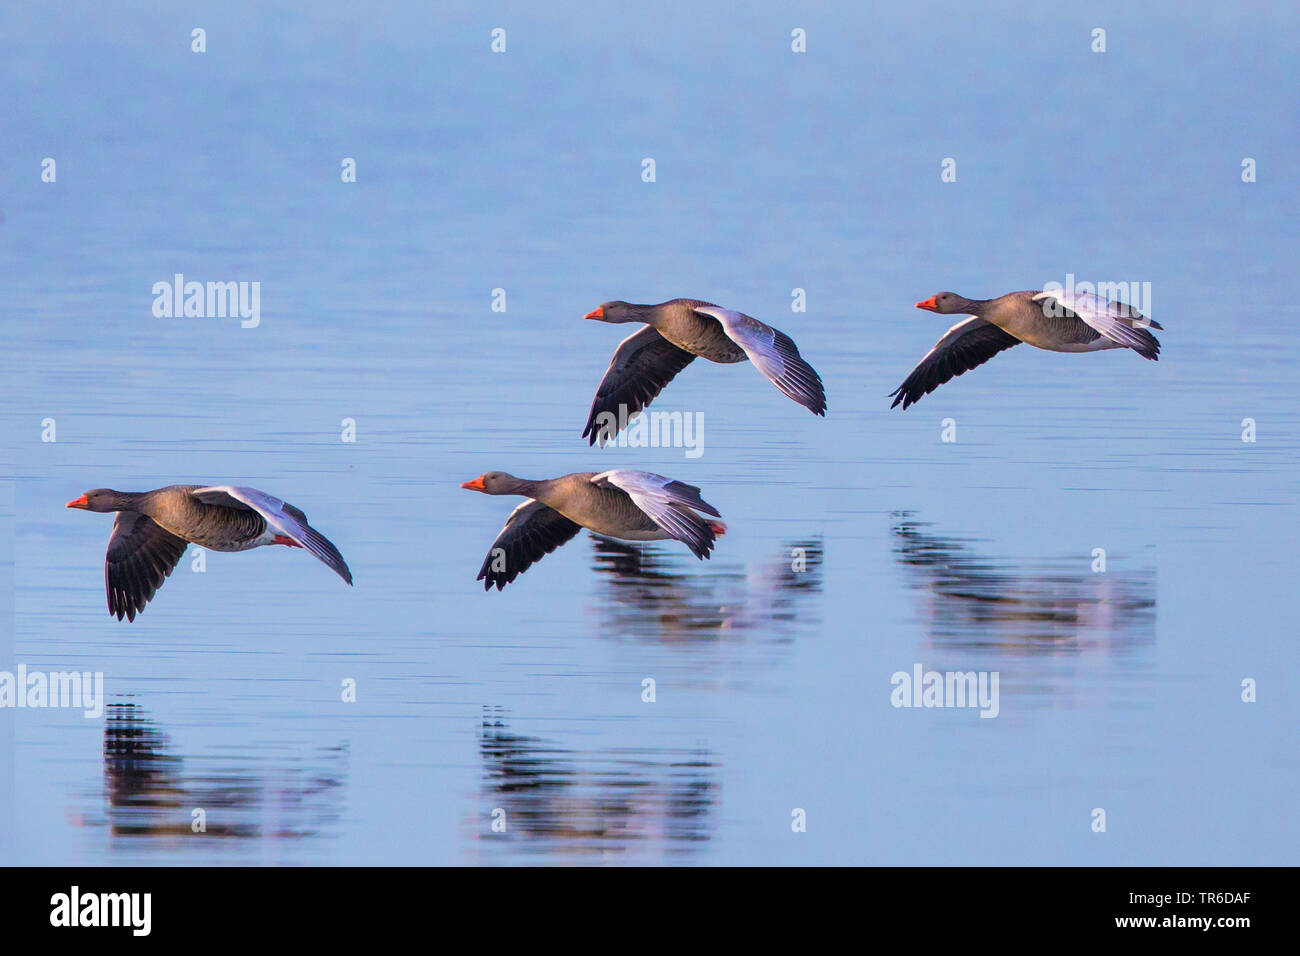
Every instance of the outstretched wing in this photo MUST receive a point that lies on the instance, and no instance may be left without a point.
(968, 344)
(1115, 320)
(141, 555)
(643, 364)
(668, 504)
(774, 354)
(284, 518)
(532, 531)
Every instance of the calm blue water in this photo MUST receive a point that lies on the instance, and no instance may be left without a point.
(774, 171)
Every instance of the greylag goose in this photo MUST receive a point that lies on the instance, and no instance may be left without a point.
(1057, 321)
(629, 505)
(676, 332)
(153, 527)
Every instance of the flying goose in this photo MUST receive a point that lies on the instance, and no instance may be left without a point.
(153, 527)
(628, 505)
(676, 332)
(1057, 321)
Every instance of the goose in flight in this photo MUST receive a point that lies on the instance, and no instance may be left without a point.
(627, 505)
(1057, 321)
(676, 332)
(152, 529)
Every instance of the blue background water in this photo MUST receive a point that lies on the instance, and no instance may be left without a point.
(775, 171)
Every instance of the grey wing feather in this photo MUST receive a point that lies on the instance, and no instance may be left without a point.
(668, 504)
(775, 355)
(682, 493)
(285, 518)
(1115, 320)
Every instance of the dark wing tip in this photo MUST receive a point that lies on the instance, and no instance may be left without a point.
(325, 551)
(799, 380)
(707, 546)
(593, 434)
(1147, 345)
(694, 532)
(905, 395)
(815, 397)
(497, 579)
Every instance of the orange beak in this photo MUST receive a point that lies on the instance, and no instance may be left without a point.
(597, 313)
(475, 485)
(928, 304)
(78, 503)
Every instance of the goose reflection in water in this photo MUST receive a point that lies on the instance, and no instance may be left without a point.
(1058, 607)
(595, 801)
(657, 596)
(152, 792)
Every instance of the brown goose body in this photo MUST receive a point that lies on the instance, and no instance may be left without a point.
(1018, 314)
(604, 509)
(691, 331)
(627, 505)
(152, 529)
(176, 510)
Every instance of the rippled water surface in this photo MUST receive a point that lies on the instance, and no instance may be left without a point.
(513, 727)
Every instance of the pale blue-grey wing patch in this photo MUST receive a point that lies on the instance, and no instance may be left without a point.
(1115, 320)
(284, 518)
(668, 504)
(774, 354)
(532, 531)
